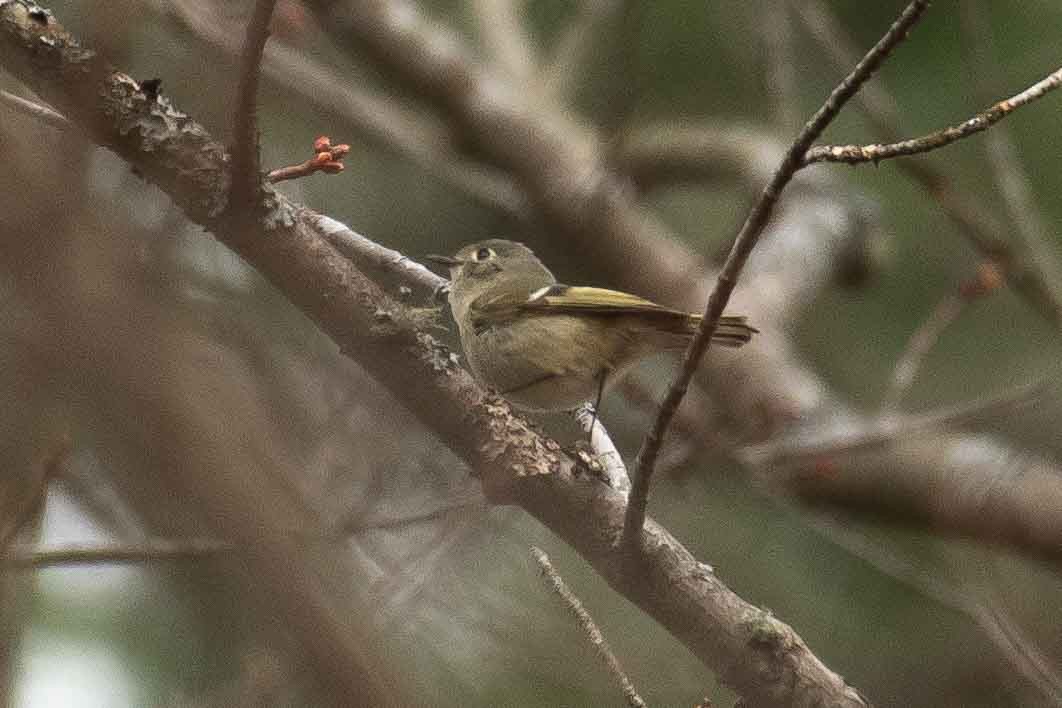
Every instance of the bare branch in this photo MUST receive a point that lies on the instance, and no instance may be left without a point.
(855, 154)
(744, 243)
(919, 344)
(147, 551)
(245, 178)
(589, 627)
(503, 30)
(809, 446)
(978, 489)
(975, 223)
(151, 550)
(988, 280)
(768, 386)
(36, 110)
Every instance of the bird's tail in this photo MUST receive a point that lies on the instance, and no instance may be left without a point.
(733, 330)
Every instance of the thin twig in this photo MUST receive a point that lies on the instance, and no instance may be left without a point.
(158, 549)
(744, 243)
(887, 430)
(1004, 165)
(146, 551)
(976, 223)
(327, 158)
(918, 346)
(589, 627)
(246, 180)
(34, 109)
(855, 154)
(989, 279)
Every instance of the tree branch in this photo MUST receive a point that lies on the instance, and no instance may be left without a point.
(33, 109)
(988, 280)
(744, 243)
(246, 180)
(975, 223)
(589, 627)
(855, 154)
(147, 551)
(162, 549)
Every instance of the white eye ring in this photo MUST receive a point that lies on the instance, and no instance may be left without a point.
(483, 254)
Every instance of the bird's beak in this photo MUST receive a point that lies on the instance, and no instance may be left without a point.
(447, 261)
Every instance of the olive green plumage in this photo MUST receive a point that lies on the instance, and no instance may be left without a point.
(546, 346)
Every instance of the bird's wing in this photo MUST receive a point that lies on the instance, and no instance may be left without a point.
(732, 330)
(600, 301)
(557, 299)
(491, 308)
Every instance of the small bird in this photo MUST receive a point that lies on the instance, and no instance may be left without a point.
(551, 347)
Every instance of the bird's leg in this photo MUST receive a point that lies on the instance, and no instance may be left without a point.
(597, 407)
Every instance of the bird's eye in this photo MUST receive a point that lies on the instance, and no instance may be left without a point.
(484, 254)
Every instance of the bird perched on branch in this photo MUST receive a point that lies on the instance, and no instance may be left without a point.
(551, 347)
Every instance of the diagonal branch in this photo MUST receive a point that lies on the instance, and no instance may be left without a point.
(33, 109)
(589, 627)
(744, 243)
(151, 550)
(855, 154)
